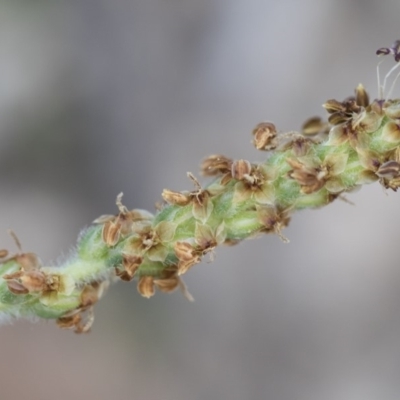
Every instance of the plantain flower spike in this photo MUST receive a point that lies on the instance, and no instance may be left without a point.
(358, 143)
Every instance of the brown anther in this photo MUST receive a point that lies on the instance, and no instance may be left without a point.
(313, 126)
(351, 105)
(265, 136)
(16, 288)
(22, 282)
(69, 322)
(334, 106)
(167, 285)
(111, 233)
(362, 98)
(175, 198)
(187, 255)
(184, 251)
(216, 164)
(308, 178)
(274, 220)
(240, 169)
(34, 281)
(389, 170)
(145, 286)
(130, 264)
(338, 118)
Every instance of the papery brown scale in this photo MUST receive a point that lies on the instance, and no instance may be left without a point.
(215, 165)
(184, 251)
(313, 126)
(167, 285)
(111, 233)
(362, 98)
(264, 136)
(175, 198)
(69, 322)
(393, 184)
(333, 106)
(305, 176)
(131, 263)
(145, 286)
(338, 118)
(16, 288)
(351, 105)
(389, 170)
(34, 281)
(240, 168)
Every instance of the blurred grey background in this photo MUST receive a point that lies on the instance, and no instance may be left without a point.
(98, 97)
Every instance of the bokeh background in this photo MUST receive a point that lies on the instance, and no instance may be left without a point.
(98, 97)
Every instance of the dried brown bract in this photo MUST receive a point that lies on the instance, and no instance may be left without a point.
(216, 164)
(130, 264)
(152, 241)
(313, 126)
(79, 320)
(264, 136)
(312, 175)
(274, 220)
(121, 225)
(240, 169)
(188, 255)
(361, 96)
(257, 185)
(145, 286)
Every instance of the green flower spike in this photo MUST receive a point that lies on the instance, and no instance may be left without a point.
(358, 144)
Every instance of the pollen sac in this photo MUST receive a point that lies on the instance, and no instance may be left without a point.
(175, 198)
(22, 282)
(111, 233)
(313, 126)
(167, 285)
(240, 169)
(216, 164)
(306, 176)
(16, 288)
(265, 136)
(362, 98)
(333, 106)
(130, 265)
(389, 170)
(187, 255)
(145, 286)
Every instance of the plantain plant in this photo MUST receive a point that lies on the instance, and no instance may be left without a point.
(358, 144)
